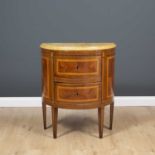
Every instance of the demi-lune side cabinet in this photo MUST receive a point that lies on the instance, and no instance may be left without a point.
(78, 76)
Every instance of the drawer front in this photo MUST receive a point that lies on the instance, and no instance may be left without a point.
(77, 93)
(78, 67)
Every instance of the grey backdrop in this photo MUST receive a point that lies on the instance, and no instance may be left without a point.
(24, 24)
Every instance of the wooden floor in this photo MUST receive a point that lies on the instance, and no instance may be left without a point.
(21, 132)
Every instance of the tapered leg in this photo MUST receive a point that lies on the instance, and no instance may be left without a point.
(54, 121)
(100, 121)
(44, 114)
(111, 114)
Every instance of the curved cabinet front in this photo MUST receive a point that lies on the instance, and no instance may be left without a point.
(62, 74)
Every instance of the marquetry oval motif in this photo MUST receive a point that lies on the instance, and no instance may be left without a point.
(77, 93)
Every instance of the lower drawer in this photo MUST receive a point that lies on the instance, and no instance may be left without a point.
(75, 93)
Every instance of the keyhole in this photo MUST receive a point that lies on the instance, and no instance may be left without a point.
(77, 93)
(77, 67)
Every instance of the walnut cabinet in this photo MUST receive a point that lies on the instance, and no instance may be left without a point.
(78, 76)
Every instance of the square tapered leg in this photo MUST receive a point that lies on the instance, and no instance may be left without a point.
(44, 114)
(54, 121)
(100, 121)
(111, 114)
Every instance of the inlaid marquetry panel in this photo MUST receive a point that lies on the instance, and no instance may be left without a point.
(78, 67)
(77, 93)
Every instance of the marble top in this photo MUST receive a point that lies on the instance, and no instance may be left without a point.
(77, 46)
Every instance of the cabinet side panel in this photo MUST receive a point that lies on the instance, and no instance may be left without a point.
(47, 75)
(108, 65)
(110, 77)
(45, 87)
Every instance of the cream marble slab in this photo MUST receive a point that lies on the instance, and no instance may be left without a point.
(77, 46)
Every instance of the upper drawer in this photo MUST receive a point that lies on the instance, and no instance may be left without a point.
(78, 68)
